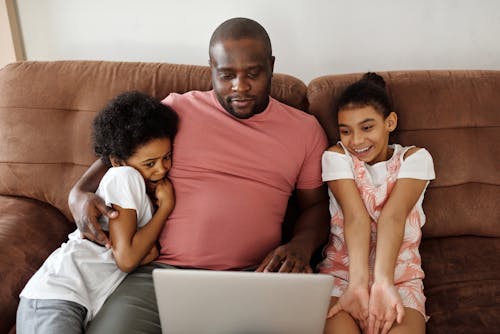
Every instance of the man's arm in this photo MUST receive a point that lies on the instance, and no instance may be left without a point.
(86, 206)
(311, 231)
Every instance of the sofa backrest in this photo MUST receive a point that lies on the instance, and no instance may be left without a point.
(456, 116)
(46, 109)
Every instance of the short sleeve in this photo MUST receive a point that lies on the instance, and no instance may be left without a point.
(168, 100)
(336, 166)
(310, 174)
(123, 186)
(418, 166)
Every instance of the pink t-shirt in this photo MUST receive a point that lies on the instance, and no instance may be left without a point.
(232, 179)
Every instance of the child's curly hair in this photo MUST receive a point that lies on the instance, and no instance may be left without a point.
(129, 121)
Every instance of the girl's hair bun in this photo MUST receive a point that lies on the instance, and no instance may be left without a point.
(374, 78)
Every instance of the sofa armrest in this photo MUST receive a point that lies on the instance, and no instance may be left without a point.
(29, 231)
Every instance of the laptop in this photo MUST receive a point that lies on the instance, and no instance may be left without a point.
(229, 302)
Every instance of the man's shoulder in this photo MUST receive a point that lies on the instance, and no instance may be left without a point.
(193, 95)
(292, 111)
(297, 117)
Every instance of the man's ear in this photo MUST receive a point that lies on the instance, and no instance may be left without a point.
(115, 162)
(391, 121)
(272, 63)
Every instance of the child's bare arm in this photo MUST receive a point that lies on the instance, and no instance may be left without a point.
(385, 303)
(357, 237)
(151, 256)
(131, 246)
(391, 225)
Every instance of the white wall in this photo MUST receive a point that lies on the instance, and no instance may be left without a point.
(310, 37)
(11, 48)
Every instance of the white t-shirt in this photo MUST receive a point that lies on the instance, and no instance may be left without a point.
(337, 166)
(82, 271)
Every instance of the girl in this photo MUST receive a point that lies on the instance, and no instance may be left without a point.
(376, 192)
(134, 135)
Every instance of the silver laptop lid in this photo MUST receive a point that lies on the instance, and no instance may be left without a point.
(228, 302)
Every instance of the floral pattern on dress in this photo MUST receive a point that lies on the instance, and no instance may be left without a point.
(408, 273)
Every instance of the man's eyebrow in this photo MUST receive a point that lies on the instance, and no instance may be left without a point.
(255, 67)
(222, 69)
(251, 67)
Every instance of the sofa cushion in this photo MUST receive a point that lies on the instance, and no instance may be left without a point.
(29, 231)
(462, 284)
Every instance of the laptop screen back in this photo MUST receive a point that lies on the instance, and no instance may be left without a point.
(224, 302)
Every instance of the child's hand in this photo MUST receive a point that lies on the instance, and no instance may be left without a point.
(385, 307)
(355, 302)
(164, 193)
(151, 256)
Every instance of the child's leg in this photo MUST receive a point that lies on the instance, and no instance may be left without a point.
(49, 316)
(412, 295)
(413, 323)
(341, 323)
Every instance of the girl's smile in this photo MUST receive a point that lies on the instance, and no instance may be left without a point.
(365, 132)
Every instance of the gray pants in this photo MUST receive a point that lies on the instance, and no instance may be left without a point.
(49, 316)
(132, 307)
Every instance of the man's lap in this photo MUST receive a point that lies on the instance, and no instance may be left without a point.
(132, 307)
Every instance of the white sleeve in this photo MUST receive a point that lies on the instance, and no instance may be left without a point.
(336, 166)
(418, 166)
(123, 186)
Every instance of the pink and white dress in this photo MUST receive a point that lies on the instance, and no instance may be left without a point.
(375, 184)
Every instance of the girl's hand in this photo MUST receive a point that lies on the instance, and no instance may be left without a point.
(151, 256)
(385, 307)
(164, 194)
(355, 302)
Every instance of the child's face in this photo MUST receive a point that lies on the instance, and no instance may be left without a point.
(153, 160)
(365, 133)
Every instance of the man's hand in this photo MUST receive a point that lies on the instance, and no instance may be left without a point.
(86, 208)
(286, 259)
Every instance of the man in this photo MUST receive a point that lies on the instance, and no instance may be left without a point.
(238, 156)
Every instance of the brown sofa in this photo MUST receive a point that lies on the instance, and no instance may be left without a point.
(45, 114)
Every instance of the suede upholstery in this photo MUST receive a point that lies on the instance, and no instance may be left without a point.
(45, 114)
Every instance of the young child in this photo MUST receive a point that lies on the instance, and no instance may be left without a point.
(376, 192)
(133, 134)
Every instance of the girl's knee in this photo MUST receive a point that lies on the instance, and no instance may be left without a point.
(341, 323)
(413, 323)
